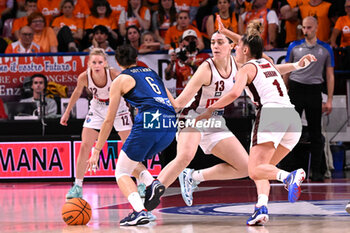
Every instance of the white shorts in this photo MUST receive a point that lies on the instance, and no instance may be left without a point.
(97, 114)
(210, 136)
(278, 125)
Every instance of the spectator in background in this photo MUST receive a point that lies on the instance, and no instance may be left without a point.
(25, 43)
(190, 6)
(174, 34)
(39, 85)
(305, 87)
(117, 7)
(44, 36)
(20, 11)
(185, 60)
(133, 36)
(5, 6)
(228, 18)
(137, 15)
(269, 20)
(68, 28)
(6, 11)
(164, 18)
(249, 5)
(342, 27)
(148, 43)
(290, 15)
(30, 7)
(81, 9)
(50, 9)
(320, 10)
(100, 39)
(101, 14)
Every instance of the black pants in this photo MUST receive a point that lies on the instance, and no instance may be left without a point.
(308, 98)
(64, 37)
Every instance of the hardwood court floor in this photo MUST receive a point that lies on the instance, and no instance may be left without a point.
(219, 207)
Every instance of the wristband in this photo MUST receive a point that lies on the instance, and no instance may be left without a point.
(97, 149)
(296, 66)
(306, 64)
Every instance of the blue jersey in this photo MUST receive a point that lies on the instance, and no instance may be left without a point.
(149, 91)
(154, 125)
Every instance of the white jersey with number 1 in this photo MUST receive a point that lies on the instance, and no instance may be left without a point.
(276, 119)
(268, 86)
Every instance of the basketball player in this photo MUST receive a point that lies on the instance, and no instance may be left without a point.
(153, 130)
(213, 78)
(98, 79)
(277, 127)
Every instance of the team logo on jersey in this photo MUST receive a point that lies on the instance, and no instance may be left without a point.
(218, 93)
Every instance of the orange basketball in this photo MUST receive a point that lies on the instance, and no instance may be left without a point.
(76, 211)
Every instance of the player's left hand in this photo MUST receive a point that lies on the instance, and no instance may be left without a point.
(92, 162)
(306, 60)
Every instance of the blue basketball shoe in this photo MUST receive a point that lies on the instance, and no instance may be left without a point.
(135, 218)
(259, 218)
(141, 189)
(293, 182)
(188, 185)
(153, 194)
(75, 192)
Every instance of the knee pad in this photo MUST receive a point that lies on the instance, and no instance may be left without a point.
(125, 166)
(119, 174)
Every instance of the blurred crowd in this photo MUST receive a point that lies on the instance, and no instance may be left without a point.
(31, 26)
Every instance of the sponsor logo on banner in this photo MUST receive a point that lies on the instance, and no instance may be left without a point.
(109, 157)
(35, 159)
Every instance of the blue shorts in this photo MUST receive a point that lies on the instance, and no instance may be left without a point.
(146, 140)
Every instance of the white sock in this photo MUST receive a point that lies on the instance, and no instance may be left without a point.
(136, 202)
(79, 182)
(146, 177)
(262, 200)
(198, 175)
(282, 175)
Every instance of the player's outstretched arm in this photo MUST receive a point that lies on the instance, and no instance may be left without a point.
(241, 80)
(230, 34)
(301, 64)
(81, 83)
(201, 77)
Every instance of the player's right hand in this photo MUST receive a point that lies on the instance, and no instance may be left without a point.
(64, 119)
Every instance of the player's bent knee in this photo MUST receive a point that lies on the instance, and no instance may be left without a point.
(119, 175)
(252, 175)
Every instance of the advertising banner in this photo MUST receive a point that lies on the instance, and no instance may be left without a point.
(35, 160)
(60, 69)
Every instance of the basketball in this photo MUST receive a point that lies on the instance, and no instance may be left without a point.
(76, 211)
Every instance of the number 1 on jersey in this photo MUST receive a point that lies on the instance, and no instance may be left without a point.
(278, 86)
